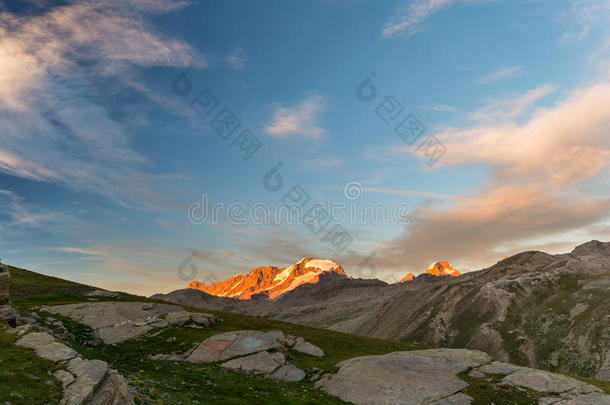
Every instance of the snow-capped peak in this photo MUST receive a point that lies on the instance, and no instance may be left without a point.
(273, 281)
(324, 265)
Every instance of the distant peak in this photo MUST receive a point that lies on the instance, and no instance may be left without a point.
(593, 246)
(438, 269)
(442, 268)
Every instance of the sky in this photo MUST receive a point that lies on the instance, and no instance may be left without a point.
(146, 143)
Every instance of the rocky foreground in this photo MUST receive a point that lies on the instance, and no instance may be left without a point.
(431, 376)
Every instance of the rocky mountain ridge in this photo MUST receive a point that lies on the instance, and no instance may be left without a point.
(271, 282)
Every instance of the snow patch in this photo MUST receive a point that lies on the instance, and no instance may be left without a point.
(283, 275)
(304, 279)
(324, 265)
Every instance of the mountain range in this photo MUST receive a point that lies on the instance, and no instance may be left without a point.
(271, 282)
(541, 310)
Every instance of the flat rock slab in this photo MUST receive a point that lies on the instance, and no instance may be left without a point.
(497, 367)
(303, 346)
(35, 340)
(56, 352)
(415, 377)
(64, 377)
(547, 382)
(585, 399)
(116, 322)
(289, 373)
(259, 363)
(225, 346)
(102, 294)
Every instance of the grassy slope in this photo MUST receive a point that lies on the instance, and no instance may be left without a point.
(180, 383)
(25, 378)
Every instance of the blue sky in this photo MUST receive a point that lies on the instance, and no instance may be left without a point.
(101, 158)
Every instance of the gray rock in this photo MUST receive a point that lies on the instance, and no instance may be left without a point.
(113, 391)
(102, 294)
(289, 373)
(308, 348)
(35, 340)
(476, 373)
(167, 357)
(178, 318)
(584, 399)
(416, 377)
(64, 377)
(20, 330)
(286, 340)
(116, 322)
(456, 399)
(228, 345)
(497, 367)
(203, 319)
(8, 313)
(547, 382)
(259, 363)
(56, 352)
(89, 375)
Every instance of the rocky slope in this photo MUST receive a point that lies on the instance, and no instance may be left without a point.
(271, 282)
(533, 309)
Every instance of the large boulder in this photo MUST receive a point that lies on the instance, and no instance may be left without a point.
(116, 322)
(7, 311)
(259, 363)
(304, 346)
(248, 351)
(288, 372)
(415, 377)
(225, 346)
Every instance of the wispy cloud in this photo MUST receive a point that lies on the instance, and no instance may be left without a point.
(57, 123)
(408, 19)
(236, 59)
(500, 74)
(78, 250)
(584, 15)
(327, 162)
(18, 213)
(439, 108)
(298, 120)
(509, 108)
